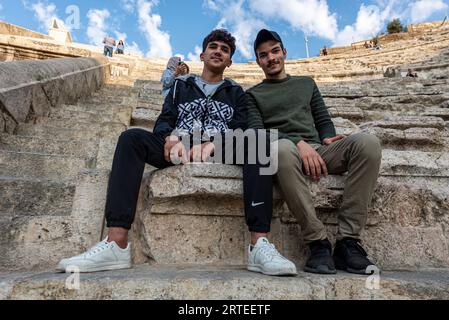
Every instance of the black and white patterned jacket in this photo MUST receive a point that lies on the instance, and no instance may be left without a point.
(186, 108)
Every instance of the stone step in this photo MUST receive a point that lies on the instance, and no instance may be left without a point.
(45, 131)
(145, 118)
(102, 100)
(85, 116)
(115, 92)
(352, 113)
(116, 89)
(152, 98)
(424, 139)
(142, 104)
(86, 149)
(437, 112)
(46, 232)
(25, 197)
(196, 216)
(92, 133)
(73, 124)
(99, 110)
(403, 123)
(415, 164)
(165, 282)
(41, 166)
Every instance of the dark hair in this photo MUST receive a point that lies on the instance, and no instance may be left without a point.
(220, 35)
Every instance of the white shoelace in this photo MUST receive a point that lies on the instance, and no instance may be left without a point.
(269, 251)
(98, 248)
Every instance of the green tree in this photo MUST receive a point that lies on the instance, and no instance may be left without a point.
(395, 26)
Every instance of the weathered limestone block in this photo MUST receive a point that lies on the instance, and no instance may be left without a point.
(415, 163)
(36, 86)
(419, 137)
(195, 215)
(345, 127)
(107, 143)
(40, 235)
(185, 282)
(145, 117)
(437, 112)
(403, 123)
(347, 112)
(2, 123)
(408, 248)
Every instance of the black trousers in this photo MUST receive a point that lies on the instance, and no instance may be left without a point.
(136, 147)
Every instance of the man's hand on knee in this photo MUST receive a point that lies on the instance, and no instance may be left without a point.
(314, 165)
(202, 152)
(170, 142)
(174, 151)
(329, 141)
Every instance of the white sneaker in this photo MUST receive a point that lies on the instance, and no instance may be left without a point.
(264, 258)
(101, 257)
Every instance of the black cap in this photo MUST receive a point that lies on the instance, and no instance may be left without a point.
(265, 35)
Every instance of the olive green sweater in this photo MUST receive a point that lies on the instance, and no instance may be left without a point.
(294, 106)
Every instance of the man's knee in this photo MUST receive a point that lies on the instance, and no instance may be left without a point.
(131, 136)
(368, 146)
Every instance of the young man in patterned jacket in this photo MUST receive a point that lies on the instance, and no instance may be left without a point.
(213, 106)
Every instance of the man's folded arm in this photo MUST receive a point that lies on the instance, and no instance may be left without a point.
(321, 116)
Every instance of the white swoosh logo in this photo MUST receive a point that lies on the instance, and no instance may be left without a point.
(257, 204)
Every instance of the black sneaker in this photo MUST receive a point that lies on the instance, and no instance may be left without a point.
(320, 260)
(350, 256)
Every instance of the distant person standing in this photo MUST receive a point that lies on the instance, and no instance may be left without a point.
(175, 68)
(109, 44)
(411, 74)
(325, 51)
(120, 47)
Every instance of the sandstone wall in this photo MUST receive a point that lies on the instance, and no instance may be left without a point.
(29, 89)
(13, 30)
(412, 31)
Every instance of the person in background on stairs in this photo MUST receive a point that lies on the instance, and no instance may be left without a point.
(411, 74)
(309, 148)
(216, 106)
(109, 44)
(120, 47)
(175, 68)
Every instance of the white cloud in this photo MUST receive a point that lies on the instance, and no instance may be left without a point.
(195, 57)
(423, 9)
(45, 13)
(128, 5)
(150, 24)
(134, 49)
(120, 35)
(314, 17)
(311, 16)
(241, 23)
(371, 20)
(97, 27)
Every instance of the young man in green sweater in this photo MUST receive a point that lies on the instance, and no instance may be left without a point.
(310, 148)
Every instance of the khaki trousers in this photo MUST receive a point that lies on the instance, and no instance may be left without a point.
(360, 155)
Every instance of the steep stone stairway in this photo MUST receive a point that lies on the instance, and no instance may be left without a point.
(44, 167)
(189, 238)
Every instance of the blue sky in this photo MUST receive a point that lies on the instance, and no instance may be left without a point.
(160, 28)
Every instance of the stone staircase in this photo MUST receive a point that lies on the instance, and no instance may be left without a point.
(45, 168)
(189, 237)
(410, 206)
